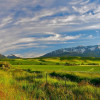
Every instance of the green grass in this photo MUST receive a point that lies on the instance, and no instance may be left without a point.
(77, 78)
(55, 61)
(62, 68)
(26, 79)
(18, 84)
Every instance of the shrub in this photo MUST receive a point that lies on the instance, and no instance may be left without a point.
(5, 65)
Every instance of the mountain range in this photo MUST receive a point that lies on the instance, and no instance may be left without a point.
(12, 56)
(2, 56)
(9, 56)
(82, 51)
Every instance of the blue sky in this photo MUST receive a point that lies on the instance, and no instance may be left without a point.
(31, 28)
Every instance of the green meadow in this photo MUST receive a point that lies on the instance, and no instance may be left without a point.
(56, 78)
(61, 68)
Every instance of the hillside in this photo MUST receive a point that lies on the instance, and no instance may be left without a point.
(82, 51)
(2, 56)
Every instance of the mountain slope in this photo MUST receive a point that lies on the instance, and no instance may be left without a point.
(82, 51)
(12, 56)
(2, 56)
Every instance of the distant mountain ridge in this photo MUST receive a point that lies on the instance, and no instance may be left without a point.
(9, 56)
(2, 56)
(12, 56)
(82, 51)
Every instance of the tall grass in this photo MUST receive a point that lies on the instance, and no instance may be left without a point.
(9, 89)
(18, 84)
(76, 78)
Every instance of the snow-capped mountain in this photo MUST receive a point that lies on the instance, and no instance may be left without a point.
(83, 51)
(12, 56)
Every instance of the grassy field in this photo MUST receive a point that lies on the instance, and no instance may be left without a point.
(72, 78)
(55, 61)
(61, 68)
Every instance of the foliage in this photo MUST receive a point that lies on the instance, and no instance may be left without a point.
(5, 64)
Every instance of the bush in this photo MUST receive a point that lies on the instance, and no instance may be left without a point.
(5, 65)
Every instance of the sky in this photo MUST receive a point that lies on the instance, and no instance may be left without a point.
(32, 28)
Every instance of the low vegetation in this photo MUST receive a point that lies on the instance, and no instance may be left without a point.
(53, 80)
(55, 61)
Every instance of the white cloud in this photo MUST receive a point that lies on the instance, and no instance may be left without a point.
(58, 37)
(5, 21)
(29, 55)
(85, 2)
(74, 2)
(41, 14)
(24, 25)
(85, 8)
(90, 37)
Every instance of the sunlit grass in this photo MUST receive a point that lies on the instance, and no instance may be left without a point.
(17, 84)
(61, 68)
(34, 82)
(9, 89)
